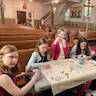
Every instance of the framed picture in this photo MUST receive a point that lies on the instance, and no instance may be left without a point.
(75, 11)
(29, 14)
(24, 5)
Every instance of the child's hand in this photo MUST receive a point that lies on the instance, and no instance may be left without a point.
(47, 66)
(21, 74)
(93, 53)
(27, 69)
(36, 75)
(56, 40)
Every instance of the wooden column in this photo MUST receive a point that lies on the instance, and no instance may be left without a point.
(2, 12)
(52, 14)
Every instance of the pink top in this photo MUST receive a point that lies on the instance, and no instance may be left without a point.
(56, 51)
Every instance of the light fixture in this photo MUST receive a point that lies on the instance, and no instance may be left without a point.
(55, 1)
(54, 9)
(30, 0)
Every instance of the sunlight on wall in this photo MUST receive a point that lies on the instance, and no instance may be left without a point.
(67, 13)
(87, 9)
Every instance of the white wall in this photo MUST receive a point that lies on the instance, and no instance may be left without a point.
(93, 14)
(11, 7)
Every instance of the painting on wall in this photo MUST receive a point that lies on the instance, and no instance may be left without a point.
(30, 15)
(24, 6)
(75, 11)
(29, 19)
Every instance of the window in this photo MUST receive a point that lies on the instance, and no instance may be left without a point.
(67, 13)
(87, 8)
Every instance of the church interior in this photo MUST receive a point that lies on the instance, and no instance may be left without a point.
(64, 30)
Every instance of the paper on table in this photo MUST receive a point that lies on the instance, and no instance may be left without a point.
(67, 74)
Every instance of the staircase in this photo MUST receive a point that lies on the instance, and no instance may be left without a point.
(46, 17)
(61, 11)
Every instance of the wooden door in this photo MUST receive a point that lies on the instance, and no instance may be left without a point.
(21, 17)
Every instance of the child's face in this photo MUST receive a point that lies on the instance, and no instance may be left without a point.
(43, 48)
(62, 35)
(83, 45)
(10, 59)
(75, 41)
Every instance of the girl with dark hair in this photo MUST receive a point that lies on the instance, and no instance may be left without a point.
(82, 47)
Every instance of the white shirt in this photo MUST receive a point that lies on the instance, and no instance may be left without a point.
(61, 55)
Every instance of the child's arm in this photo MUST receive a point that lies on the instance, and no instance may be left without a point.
(32, 61)
(34, 65)
(56, 40)
(21, 74)
(14, 90)
(73, 52)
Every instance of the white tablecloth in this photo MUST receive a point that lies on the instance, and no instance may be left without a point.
(66, 74)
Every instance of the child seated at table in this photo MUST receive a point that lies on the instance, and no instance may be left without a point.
(73, 50)
(59, 46)
(8, 61)
(40, 55)
(82, 47)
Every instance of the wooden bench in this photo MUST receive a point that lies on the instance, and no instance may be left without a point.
(21, 44)
(20, 32)
(25, 44)
(20, 38)
(90, 35)
(73, 32)
(24, 56)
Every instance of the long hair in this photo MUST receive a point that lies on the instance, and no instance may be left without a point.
(40, 42)
(3, 51)
(62, 30)
(86, 50)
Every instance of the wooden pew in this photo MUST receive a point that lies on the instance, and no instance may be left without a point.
(89, 35)
(20, 38)
(21, 44)
(24, 56)
(25, 44)
(15, 27)
(20, 32)
(4, 34)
